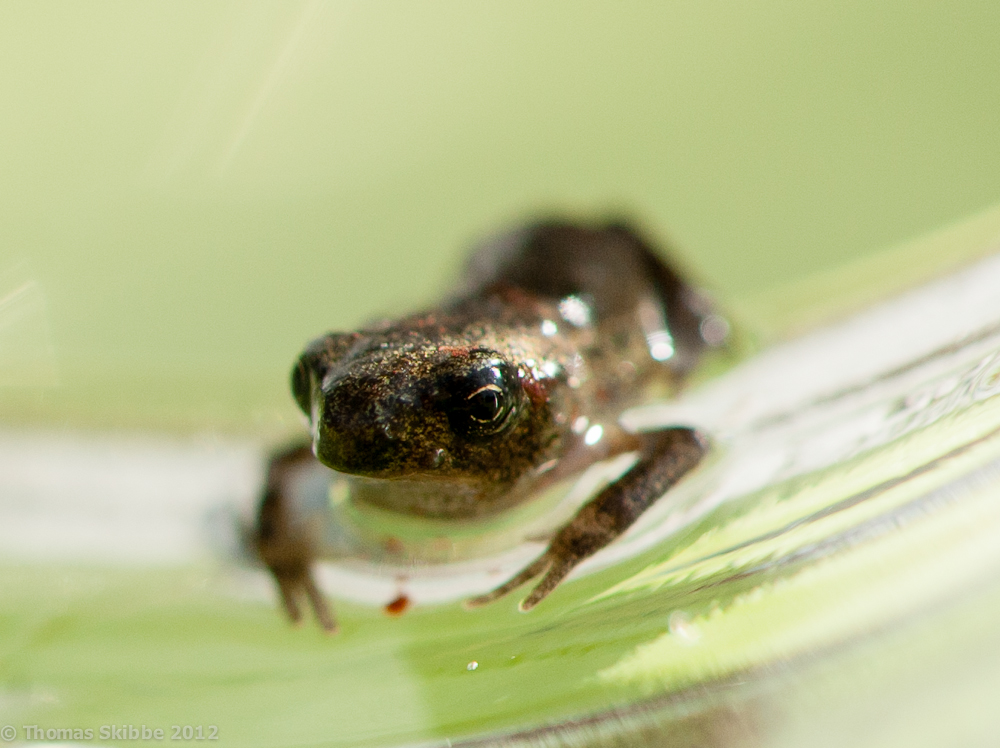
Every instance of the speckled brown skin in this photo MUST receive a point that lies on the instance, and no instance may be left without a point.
(473, 407)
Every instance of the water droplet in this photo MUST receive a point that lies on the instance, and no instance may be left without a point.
(661, 345)
(575, 310)
(714, 330)
(593, 435)
(681, 626)
(546, 466)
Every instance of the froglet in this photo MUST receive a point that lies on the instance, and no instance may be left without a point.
(515, 381)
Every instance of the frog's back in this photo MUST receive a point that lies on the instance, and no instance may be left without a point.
(607, 276)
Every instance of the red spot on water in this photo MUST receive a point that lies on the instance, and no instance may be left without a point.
(393, 545)
(398, 606)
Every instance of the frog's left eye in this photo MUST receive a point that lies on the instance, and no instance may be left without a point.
(302, 384)
(481, 402)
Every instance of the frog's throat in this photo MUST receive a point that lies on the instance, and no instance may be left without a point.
(452, 499)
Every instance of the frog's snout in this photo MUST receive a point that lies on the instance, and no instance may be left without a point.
(361, 430)
(329, 442)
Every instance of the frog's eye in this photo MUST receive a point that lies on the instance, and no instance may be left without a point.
(302, 385)
(480, 403)
(486, 404)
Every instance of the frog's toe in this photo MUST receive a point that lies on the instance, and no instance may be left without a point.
(287, 591)
(557, 571)
(530, 572)
(320, 607)
(292, 587)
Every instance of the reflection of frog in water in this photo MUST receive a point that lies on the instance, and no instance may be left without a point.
(517, 381)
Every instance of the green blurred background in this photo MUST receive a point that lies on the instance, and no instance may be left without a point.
(191, 190)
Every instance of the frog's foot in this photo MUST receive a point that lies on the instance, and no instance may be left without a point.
(538, 567)
(569, 548)
(295, 582)
(284, 542)
(664, 458)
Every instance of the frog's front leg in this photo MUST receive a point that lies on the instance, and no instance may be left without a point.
(664, 458)
(286, 542)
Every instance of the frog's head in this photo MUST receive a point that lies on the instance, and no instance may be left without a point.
(410, 409)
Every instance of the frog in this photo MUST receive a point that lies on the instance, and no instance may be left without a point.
(515, 381)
